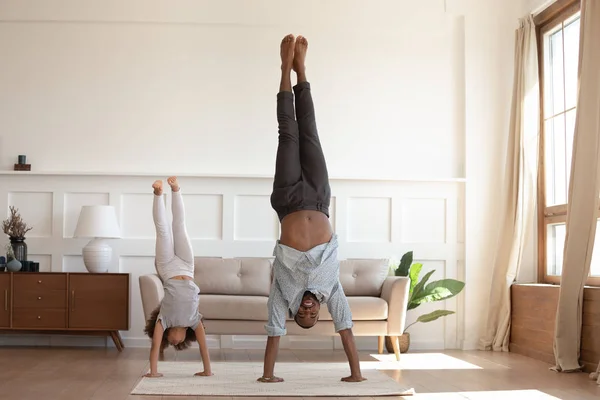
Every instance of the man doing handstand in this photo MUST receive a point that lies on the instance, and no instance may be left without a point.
(306, 267)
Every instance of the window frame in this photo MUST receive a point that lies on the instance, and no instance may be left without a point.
(545, 21)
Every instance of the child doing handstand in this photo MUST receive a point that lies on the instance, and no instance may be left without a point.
(176, 320)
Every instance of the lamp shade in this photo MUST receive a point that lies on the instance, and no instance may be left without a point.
(98, 222)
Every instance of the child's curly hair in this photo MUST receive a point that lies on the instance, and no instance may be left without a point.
(190, 335)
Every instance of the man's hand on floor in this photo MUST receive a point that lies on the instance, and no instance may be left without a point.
(353, 379)
(270, 380)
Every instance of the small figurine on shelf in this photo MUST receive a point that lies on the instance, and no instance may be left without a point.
(13, 265)
(22, 165)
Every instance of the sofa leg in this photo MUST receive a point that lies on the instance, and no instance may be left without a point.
(380, 344)
(396, 346)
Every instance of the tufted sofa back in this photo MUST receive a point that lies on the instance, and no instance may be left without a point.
(235, 276)
(252, 276)
(363, 277)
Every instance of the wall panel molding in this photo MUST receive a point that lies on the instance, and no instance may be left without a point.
(373, 219)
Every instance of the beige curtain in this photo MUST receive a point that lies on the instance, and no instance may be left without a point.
(518, 194)
(583, 194)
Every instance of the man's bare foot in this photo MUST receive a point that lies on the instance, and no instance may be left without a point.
(300, 55)
(287, 52)
(157, 186)
(172, 181)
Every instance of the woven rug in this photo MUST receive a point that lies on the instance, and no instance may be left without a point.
(239, 379)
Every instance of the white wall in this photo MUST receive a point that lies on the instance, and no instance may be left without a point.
(535, 6)
(232, 217)
(413, 90)
(190, 85)
(489, 47)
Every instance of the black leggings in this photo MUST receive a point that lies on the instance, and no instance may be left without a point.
(301, 179)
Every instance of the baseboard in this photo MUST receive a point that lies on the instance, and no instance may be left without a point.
(244, 342)
(427, 345)
(304, 343)
(310, 343)
(143, 342)
(363, 343)
(31, 340)
(213, 341)
(470, 345)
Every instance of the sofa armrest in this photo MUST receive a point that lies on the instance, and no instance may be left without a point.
(395, 292)
(152, 292)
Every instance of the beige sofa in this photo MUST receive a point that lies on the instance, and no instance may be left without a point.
(234, 294)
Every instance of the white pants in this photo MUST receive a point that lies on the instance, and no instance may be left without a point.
(174, 254)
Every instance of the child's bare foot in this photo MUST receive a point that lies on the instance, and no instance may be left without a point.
(287, 52)
(300, 55)
(172, 181)
(157, 186)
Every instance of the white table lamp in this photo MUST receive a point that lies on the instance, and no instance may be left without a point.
(99, 223)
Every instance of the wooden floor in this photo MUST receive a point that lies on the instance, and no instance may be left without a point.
(83, 373)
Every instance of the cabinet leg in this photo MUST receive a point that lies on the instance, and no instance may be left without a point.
(116, 337)
(380, 343)
(120, 339)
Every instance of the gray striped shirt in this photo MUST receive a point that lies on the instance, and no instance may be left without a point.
(296, 272)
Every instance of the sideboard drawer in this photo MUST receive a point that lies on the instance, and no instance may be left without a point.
(39, 281)
(42, 298)
(43, 318)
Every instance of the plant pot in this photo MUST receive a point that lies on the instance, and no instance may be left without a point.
(19, 248)
(404, 343)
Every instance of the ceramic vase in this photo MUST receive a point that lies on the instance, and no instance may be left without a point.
(19, 248)
(14, 265)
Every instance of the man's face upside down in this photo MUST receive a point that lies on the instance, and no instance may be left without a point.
(308, 312)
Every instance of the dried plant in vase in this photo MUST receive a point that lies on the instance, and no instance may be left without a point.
(14, 226)
(16, 229)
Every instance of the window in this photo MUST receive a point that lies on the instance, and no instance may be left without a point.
(558, 47)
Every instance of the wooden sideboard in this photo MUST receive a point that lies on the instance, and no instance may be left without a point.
(65, 303)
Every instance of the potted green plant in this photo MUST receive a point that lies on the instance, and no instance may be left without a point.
(422, 292)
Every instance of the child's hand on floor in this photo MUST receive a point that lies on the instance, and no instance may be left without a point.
(270, 380)
(204, 373)
(151, 375)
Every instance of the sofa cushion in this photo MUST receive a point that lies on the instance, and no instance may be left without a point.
(233, 276)
(223, 307)
(254, 308)
(363, 309)
(363, 277)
